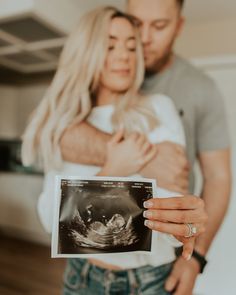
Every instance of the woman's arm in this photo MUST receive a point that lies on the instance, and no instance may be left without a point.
(126, 157)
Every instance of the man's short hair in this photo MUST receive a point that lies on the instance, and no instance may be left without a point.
(181, 3)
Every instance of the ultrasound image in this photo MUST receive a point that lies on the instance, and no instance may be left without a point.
(99, 216)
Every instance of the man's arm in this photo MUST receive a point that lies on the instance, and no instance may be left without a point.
(216, 172)
(169, 167)
(82, 143)
(216, 194)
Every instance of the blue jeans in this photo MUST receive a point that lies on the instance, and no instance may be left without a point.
(83, 278)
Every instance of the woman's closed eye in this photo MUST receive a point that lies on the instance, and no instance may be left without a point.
(111, 47)
(131, 48)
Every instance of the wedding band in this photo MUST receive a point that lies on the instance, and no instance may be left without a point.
(192, 230)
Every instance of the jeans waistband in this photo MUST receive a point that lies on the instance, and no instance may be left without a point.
(108, 275)
(134, 277)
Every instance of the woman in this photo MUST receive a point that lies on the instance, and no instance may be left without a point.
(98, 80)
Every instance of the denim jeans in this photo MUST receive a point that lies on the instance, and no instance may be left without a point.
(83, 278)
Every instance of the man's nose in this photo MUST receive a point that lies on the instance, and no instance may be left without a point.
(145, 34)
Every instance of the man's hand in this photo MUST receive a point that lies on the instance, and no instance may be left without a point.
(183, 277)
(170, 167)
(170, 215)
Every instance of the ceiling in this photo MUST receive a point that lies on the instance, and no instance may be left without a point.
(195, 10)
(30, 46)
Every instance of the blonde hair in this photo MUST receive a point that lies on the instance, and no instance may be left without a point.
(68, 99)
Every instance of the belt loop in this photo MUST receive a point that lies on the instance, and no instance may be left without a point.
(108, 279)
(132, 281)
(84, 274)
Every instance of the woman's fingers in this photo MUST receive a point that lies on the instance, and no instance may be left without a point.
(141, 140)
(188, 246)
(146, 147)
(117, 137)
(148, 156)
(187, 202)
(181, 230)
(177, 216)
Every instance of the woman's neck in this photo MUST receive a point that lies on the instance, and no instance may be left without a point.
(105, 96)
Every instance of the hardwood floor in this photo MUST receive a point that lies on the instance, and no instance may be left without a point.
(26, 268)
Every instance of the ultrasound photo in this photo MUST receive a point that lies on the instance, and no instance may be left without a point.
(101, 215)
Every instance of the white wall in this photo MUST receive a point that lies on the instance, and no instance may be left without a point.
(207, 39)
(220, 274)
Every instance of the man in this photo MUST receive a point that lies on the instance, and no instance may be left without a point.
(200, 106)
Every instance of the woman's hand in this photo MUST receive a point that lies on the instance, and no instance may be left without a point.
(172, 216)
(127, 156)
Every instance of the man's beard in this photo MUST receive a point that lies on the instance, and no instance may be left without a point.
(160, 64)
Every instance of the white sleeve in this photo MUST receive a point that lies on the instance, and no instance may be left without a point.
(45, 206)
(170, 128)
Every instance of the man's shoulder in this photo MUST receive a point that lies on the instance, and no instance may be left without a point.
(188, 71)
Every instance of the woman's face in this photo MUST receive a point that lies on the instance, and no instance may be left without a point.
(120, 64)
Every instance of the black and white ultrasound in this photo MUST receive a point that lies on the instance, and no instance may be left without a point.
(103, 216)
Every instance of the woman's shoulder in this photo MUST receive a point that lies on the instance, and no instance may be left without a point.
(161, 103)
(160, 98)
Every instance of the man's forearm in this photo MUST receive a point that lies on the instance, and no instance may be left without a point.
(216, 194)
(84, 144)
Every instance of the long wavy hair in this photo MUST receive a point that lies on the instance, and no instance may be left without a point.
(68, 100)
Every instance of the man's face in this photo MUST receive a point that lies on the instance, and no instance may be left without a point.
(159, 22)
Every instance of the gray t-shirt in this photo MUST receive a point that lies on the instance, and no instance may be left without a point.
(199, 104)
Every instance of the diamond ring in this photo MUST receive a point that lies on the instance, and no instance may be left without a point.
(192, 230)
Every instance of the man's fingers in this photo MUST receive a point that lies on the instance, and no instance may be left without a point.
(171, 282)
(175, 203)
(117, 137)
(176, 216)
(174, 147)
(185, 285)
(183, 288)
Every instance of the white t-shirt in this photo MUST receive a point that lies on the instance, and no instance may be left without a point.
(169, 129)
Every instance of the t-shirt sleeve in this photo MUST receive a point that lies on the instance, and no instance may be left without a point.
(212, 130)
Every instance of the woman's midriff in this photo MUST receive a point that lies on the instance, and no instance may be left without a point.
(101, 264)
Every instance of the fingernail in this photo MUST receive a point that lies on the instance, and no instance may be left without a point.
(148, 223)
(147, 214)
(148, 204)
(187, 256)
